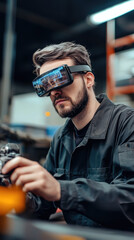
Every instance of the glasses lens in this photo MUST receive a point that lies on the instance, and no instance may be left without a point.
(48, 81)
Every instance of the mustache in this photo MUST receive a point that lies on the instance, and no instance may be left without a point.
(60, 97)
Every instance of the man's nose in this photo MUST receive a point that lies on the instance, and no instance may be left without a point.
(55, 92)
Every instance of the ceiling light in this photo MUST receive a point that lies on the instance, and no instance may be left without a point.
(111, 13)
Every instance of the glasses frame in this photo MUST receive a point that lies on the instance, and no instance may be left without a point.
(81, 69)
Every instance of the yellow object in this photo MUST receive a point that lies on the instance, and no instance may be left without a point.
(11, 199)
(47, 114)
(69, 237)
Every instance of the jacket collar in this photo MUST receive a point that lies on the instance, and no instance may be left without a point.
(100, 122)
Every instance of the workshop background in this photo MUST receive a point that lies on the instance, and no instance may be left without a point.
(26, 26)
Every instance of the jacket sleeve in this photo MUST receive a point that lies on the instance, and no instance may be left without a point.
(38, 208)
(110, 205)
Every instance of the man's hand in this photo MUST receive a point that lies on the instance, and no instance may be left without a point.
(33, 178)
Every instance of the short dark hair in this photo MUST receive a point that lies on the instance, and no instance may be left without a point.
(76, 52)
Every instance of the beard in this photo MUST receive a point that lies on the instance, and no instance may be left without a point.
(76, 106)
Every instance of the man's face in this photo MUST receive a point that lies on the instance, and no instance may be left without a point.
(68, 101)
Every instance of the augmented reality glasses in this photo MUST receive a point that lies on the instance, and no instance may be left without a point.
(57, 78)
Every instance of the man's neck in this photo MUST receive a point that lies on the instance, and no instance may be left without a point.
(86, 115)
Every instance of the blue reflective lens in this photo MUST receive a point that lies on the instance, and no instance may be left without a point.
(51, 80)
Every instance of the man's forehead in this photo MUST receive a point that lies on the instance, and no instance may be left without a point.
(54, 64)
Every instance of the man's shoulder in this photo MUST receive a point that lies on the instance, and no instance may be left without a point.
(124, 109)
(123, 115)
(117, 107)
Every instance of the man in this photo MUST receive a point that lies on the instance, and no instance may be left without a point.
(89, 170)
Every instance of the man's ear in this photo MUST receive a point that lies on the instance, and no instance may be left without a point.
(89, 79)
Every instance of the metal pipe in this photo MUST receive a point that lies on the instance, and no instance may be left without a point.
(8, 54)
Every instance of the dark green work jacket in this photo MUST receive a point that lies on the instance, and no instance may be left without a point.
(97, 176)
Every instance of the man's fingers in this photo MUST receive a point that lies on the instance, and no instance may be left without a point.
(16, 162)
(32, 187)
(27, 178)
(21, 171)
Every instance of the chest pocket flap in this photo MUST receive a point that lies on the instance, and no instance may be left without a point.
(126, 156)
(59, 173)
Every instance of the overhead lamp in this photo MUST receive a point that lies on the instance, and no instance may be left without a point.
(111, 13)
(92, 20)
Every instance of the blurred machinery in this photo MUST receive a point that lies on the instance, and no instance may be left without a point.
(31, 147)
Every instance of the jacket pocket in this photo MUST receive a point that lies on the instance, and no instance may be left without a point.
(96, 174)
(99, 174)
(126, 156)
